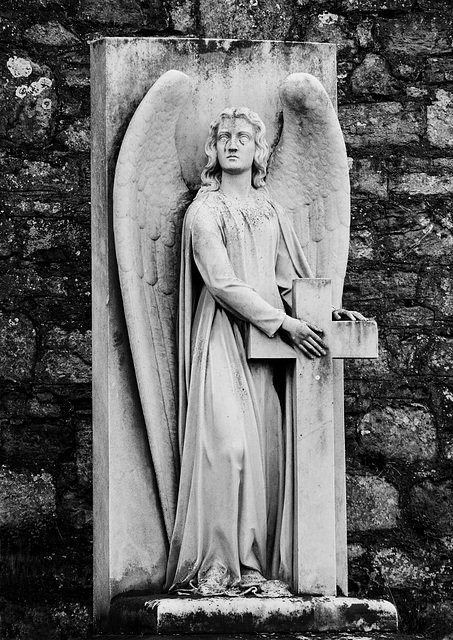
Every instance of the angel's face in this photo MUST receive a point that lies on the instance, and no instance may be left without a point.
(235, 145)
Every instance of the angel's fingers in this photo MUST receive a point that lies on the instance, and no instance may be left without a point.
(317, 341)
(313, 327)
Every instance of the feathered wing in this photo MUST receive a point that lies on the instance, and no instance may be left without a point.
(149, 201)
(308, 175)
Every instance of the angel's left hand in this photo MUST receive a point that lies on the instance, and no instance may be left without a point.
(344, 314)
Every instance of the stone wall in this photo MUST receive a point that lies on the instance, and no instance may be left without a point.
(395, 68)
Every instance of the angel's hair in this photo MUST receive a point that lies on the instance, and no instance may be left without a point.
(211, 174)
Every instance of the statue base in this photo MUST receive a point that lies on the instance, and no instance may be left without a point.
(165, 615)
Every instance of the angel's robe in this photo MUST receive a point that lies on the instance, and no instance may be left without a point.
(235, 502)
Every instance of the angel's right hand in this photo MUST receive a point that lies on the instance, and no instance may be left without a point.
(305, 336)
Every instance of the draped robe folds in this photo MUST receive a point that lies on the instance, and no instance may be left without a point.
(235, 502)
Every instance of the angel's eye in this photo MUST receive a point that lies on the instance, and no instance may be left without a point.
(222, 136)
(244, 138)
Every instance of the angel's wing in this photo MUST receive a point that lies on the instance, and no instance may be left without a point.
(308, 175)
(149, 201)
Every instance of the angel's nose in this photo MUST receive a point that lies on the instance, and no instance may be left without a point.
(233, 143)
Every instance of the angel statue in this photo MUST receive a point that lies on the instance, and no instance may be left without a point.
(223, 458)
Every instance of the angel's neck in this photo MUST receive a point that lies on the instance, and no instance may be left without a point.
(236, 185)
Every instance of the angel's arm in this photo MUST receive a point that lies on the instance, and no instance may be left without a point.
(232, 293)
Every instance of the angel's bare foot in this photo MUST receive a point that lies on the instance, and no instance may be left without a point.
(251, 578)
(274, 589)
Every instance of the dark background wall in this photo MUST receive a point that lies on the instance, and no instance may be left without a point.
(395, 73)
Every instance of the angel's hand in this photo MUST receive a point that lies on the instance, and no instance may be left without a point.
(305, 336)
(344, 314)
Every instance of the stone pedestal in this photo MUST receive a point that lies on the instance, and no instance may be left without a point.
(184, 616)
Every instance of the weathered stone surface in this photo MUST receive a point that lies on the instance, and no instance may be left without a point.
(331, 27)
(251, 615)
(67, 357)
(52, 34)
(28, 101)
(422, 183)
(57, 173)
(416, 34)
(381, 124)
(77, 136)
(373, 77)
(438, 618)
(44, 239)
(17, 347)
(125, 12)
(372, 503)
(436, 290)
(419, 235)
(38, 445)
(439, 70)
(369, 176)
(375, 5)
(26, 500)
(83, 452)
(399, 570)
(406, 432)
(382, 284)
(410, 317)
(245, 19)
(431, 506)
(182, 14)
(440, 360)
(440, 121)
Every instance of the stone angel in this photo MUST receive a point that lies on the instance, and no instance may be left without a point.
(193, 280)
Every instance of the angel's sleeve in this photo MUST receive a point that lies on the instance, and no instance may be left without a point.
(232, 293)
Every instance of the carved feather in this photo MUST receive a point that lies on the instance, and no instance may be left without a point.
(308, 175)
(149, 202)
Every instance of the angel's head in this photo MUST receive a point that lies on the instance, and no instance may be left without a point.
(227, 119)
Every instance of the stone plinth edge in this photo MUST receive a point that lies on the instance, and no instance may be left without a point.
(161, 615)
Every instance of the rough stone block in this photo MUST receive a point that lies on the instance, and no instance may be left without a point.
(406, 431)
(26, 500)
(67, 357)
(331, 27)
(410, 317)
(245, 19)
(440, 359)
(401, 571)
(372, 503)
(183, 16)
(381, 124)
(440, 121)
(436, 290)
(55, 174)
(17, 347)
(151, 15)
(373, 77)
(422, 183)
(28, 101)
(375, 5)
(76, 137)
(370, 177)
(51, 34)
(438, 70)
(431, 506)
(416, 34)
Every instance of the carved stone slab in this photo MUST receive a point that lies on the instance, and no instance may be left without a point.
(130, 543)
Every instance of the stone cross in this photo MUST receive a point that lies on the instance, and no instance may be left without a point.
(320, 553)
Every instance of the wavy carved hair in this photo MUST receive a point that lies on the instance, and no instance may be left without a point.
(211, 174)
